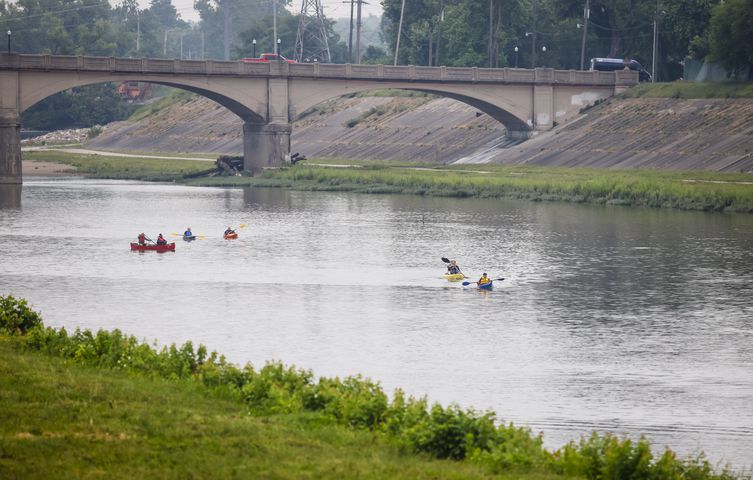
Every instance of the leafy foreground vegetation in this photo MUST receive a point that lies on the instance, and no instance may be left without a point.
(106, 404)
(708, 191)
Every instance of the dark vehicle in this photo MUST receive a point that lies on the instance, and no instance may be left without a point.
(612, 64)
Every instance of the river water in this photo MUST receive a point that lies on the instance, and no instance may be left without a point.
(634, 321)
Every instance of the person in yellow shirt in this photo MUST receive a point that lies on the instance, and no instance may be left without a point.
(484, 280)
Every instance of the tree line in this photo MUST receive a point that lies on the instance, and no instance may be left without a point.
(480, 33)
(556, 33)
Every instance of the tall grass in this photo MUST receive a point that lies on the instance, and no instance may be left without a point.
(705, 191)
(410, 423)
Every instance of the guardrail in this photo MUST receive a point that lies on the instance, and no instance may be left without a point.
(410, 73)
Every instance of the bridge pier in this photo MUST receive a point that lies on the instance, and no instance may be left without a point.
(265, 145)
(10, 146)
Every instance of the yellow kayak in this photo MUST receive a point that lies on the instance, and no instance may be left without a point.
(454, 277)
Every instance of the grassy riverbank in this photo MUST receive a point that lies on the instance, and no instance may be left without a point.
(105, 404)
(63, 420)
(706, 191)
(122, 168)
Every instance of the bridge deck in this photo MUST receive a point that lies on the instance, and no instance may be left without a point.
(407, 73)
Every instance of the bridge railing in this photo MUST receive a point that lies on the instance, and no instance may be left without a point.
(316, 70)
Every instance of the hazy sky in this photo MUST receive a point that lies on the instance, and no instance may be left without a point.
(332, 8)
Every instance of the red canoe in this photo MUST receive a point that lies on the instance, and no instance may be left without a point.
(170, 247)
(230, 236)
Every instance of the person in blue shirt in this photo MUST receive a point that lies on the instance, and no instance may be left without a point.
(188, 233)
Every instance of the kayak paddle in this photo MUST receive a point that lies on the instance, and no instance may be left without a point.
(445, 260)
(465, 284)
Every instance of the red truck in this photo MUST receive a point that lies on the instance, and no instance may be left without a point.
(268, 57)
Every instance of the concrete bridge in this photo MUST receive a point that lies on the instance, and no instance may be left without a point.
(269, 96)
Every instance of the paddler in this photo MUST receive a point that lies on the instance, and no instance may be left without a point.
(453, 268)
(484, 280)
(229, 231)
(188, 233)
(142, 239)
(161, 240)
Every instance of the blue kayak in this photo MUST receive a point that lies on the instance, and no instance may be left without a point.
(188, 238)
(486, 286)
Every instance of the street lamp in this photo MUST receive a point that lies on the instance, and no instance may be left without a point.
(8, 41)
(543, 51)
(254, 43)
(278, 46)
(516, 56)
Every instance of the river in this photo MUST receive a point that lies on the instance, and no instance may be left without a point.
(630, 320)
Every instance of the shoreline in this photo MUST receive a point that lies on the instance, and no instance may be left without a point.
(682, 190)
(39, 168)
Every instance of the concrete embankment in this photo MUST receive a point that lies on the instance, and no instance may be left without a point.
(656, 133)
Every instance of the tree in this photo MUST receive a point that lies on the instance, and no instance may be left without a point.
(731, 35)
(81, 107)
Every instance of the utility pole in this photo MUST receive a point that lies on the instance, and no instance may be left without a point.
(399, 31)
(226, 28)
(491, 32)
(358, 31)
(656, 40)
(533, 39)
(164, 45)
(586, 16)
(274, 23)
(350, 35)
(138, 30)
(439, 31)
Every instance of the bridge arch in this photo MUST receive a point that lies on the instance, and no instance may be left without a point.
(513, 116)
(38, 91)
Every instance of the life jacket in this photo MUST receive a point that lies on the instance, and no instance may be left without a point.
(454, 269)
(161, 240)
(142, 238)
(187, 233)
(484, 280)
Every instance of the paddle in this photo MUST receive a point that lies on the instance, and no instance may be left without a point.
(200, 237)
(465, 284)
(447, 260)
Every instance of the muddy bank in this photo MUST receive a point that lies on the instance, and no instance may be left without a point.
(35, 168)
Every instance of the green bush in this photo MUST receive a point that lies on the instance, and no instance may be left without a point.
(16, 317)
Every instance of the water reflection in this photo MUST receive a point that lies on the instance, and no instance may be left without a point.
(626, 320)
(10, 196)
